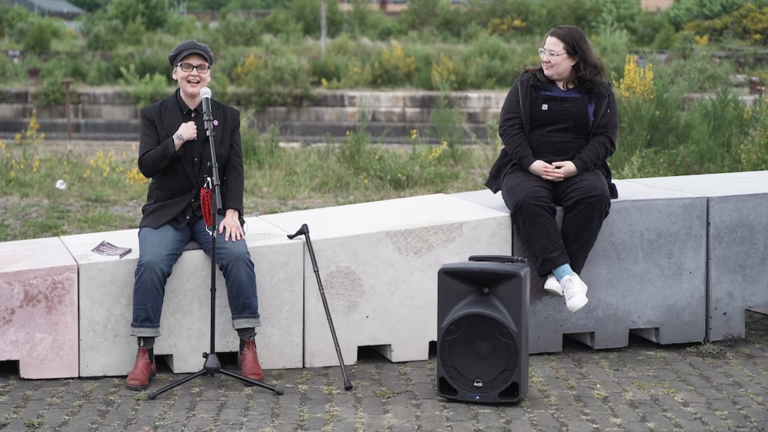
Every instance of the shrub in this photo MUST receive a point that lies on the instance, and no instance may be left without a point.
(12, 16)
(685, 11)
(150, 13)
(101, 32)
(147, 89)
(274, 80)
(419, 15)
(394, 68)
(304, 13)
(40, 34)
(237, 31)
(51, 91)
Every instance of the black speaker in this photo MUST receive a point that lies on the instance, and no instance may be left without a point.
(482, 329)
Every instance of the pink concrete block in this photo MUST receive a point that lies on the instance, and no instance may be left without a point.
(38, 308)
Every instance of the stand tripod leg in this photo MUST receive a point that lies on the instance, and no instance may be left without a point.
(156, 393)
(251, 381)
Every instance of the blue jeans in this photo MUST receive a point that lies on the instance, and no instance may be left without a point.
(159, 249)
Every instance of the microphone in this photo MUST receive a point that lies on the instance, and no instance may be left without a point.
(205, 92)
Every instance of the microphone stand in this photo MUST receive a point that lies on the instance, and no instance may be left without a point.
(212, 365)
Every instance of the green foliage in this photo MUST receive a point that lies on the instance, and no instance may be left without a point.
(701, 73)
(447, 122)
(261, 149)
(102, 32)
(419, 15)
(40, 34)
(273, 80)
(238, 31)
(611, 44)
(749, 24)
(147, 89)
(151, 14)
(666, 38)
(305, 13)
(620, 13)
(178, 25)
(684, 11)
(12, 16)
(51, 91)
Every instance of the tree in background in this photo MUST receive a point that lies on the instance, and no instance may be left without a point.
(152, 14)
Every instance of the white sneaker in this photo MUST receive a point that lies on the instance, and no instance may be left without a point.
(552, 286)
(575, 291)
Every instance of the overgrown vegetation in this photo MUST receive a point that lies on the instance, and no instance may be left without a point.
(480, 45)
(276, 59)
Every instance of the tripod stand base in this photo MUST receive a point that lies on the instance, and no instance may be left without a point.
(212, 367)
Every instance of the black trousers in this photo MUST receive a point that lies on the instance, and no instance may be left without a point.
(533, 200)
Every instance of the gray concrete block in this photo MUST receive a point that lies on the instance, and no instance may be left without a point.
(646, 274)
(378, 263)
(738, 244)
(106, 292)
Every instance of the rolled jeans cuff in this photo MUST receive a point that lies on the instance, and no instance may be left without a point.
(246, 323)
(145, 331)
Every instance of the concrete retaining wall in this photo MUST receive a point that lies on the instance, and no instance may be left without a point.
(99, 113)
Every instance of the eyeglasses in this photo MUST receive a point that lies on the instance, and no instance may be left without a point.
(187, 67)
(550, 53)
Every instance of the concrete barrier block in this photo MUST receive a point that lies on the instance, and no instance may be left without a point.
(646, 274)
(738, 244)
(106, 293)
(378, 263)
(38, 308)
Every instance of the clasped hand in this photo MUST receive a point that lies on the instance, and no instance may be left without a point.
(556, 171)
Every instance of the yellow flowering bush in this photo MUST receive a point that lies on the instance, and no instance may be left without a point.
(395, 67)
(502, 26)
(637, 82)
(444, 73)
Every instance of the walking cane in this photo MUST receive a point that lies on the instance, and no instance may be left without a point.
(304, 230)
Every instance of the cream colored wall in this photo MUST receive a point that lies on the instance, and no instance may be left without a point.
(656, 5)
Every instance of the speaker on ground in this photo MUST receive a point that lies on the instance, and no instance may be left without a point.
(482, 329)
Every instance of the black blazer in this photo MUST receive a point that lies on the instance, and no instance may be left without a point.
(515, 120)
(174, 184)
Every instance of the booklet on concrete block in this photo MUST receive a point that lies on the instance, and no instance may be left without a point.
(107, 251)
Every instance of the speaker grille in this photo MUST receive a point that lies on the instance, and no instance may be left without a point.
(478, 353)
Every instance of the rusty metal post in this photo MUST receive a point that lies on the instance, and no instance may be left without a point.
(66, 83)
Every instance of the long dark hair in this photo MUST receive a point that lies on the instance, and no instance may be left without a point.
(588, 71)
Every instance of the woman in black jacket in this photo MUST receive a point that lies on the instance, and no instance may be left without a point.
(558, 125)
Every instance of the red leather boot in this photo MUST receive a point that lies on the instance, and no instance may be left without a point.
(248, 360)
(142, 372)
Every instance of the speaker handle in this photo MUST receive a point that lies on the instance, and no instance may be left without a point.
(498, 258)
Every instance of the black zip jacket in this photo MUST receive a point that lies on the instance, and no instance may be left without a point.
(514, 124)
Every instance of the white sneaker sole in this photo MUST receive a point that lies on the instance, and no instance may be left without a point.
(577, 304)
(553, 287)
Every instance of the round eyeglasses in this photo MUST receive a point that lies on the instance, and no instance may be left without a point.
(187, 67)
(550, 53)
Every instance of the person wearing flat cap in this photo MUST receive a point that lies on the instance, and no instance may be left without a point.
(174, 153)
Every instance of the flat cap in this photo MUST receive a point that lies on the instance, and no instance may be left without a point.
(188, 47)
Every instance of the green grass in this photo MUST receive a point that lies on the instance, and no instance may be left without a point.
(105, 191)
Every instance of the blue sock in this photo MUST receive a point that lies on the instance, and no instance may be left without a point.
(563, 271)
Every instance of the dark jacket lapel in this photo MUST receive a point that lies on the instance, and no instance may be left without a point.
(172, 119)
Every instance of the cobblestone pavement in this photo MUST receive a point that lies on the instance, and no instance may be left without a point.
(645, 387)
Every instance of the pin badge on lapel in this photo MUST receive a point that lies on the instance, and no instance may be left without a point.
(545, 107)
(215, 122)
